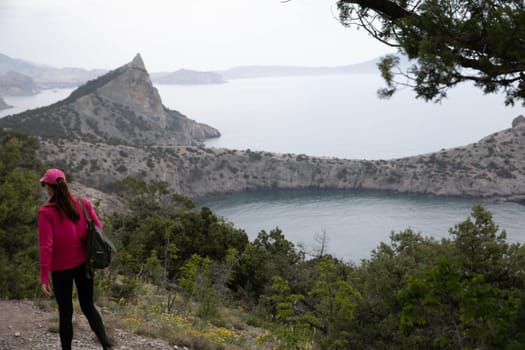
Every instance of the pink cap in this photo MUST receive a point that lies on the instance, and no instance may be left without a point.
(52, 175)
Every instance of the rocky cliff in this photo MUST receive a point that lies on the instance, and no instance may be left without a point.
(188, 77)
(493, 167)
(120, 107)
(17, 84)
(3, 104)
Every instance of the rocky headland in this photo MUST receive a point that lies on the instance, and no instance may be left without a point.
(3, 104)
(491, 168)
(17, 84)
(116, 126)
(188, 77)
(121, 108)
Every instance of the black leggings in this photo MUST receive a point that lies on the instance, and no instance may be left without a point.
(63, 289)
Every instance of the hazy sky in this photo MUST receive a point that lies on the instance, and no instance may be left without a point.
(174, 34)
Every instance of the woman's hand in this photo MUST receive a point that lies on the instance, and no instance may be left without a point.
(46, 288)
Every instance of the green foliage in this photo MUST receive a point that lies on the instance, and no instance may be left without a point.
(143, 198)
(162, 231)
(386, 66)
(471, 299)
(446, 309)
(332, 301)
(188, 275)
(289, 331)
(19, 203)
(376, 317)
(197, 283)
(322, 315)
(124, 288)
(269, 255)
(451, 42)
(204, 281)
(481, 249)
(153, 267)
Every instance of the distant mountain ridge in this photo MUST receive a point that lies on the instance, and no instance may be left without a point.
(187, 77)
(243, 72)
(17, 84)
(45, 76)
(184, 76)
(119, 107)
(21, 66)
(51, 77)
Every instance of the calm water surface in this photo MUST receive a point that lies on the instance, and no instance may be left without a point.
(356, 221)
(337, 116)
(44, 98)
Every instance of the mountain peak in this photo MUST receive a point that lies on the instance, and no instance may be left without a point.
(137, 62)
(119, 107)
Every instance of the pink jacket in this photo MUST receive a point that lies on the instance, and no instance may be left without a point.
(62, 241)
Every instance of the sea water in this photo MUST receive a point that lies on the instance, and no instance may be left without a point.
(355, 222)
(338, 116)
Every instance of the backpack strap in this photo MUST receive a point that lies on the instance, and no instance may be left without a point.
(90, 271)
(86, 214)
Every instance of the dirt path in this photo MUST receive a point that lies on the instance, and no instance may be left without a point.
(24, 326)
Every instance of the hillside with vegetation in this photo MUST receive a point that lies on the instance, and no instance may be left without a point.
(186, 276)
(493, 167)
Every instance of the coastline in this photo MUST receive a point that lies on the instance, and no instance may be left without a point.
(493, 167)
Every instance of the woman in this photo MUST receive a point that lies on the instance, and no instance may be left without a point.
(62, 228)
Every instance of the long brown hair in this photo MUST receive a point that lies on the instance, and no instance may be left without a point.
(64, 201)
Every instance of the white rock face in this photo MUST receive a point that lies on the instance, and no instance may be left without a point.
(493, 167)
(133, 88)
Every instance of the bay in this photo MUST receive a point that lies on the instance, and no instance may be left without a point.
(341, 116)
(355, 222)
(336, 116)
